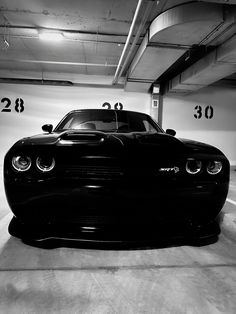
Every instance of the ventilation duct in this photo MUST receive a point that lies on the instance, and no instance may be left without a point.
(218, 64)
(169, 36)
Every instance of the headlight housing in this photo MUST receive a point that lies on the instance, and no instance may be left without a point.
(214, 167)
(193, 166)
(45, 164)
(21, 163)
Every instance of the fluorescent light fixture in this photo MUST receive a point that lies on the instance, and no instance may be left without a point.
(51, 36)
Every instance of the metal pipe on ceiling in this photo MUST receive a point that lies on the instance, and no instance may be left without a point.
(61, 63)
(136, 38)
(56, 82)
(62, 30)
(127, 43)
(105, 37)
(125, 59)
(76, 40)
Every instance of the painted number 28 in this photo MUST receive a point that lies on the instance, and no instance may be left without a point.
(117, 106)
(19, 105)
(208, 112)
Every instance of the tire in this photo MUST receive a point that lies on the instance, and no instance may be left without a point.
(204, 234)
(15, 228)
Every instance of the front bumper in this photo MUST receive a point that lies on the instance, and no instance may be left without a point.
(130, 203)
(73, 234)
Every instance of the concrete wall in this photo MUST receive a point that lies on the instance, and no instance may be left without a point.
(191, 116)
(48, 104)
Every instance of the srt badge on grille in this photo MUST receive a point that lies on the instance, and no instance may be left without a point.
(172, 169)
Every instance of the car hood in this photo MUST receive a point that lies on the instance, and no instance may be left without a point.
(200, 147)
(90, 137)
(134, 143)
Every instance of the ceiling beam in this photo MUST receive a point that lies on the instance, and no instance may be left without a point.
(64, 30)
(81, 36)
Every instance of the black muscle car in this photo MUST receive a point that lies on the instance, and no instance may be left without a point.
(113, 175)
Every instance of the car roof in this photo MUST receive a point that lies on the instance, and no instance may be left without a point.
(105, 110)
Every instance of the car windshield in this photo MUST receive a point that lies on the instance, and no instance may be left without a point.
(108, 121)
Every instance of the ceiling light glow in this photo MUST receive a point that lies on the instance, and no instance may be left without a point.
(51, 36)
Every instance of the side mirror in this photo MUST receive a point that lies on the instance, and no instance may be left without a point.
(171, 132)
(47, 128)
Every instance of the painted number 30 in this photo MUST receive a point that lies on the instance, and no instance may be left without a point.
(208, 112)
(19, 105)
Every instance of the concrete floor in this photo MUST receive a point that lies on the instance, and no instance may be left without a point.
(169, 280)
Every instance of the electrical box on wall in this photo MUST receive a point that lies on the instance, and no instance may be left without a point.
(155, 96)
(155, 103)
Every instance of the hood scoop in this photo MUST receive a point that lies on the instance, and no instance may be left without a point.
(83, 137)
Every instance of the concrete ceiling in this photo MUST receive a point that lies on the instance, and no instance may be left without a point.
(183, 45)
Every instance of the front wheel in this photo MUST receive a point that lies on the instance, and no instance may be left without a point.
(15, 228)
(20, 229)
(204, 233)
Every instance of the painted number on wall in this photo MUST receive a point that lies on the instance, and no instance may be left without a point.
(204, 112)
(18, 105)
(7, 104)
(117, 106)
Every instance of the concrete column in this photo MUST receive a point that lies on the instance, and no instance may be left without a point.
(157, 107)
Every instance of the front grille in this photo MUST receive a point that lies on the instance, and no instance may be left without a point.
(112, 220)
(87, 171)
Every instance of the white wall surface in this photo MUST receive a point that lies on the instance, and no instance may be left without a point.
(48, 104)
(220, 130)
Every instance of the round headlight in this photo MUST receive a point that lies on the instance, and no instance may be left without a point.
(193, 166)
(21, 163)
(214, 167)
(45, 164)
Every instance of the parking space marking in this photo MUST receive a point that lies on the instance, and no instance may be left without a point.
(231, 201)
